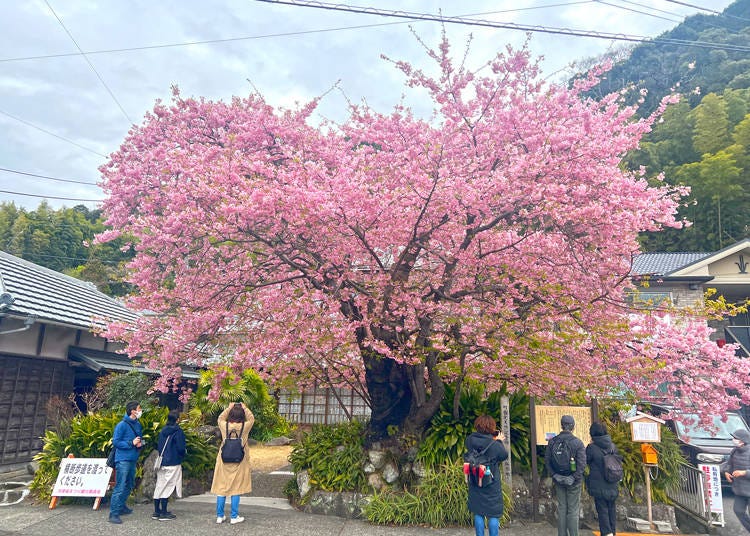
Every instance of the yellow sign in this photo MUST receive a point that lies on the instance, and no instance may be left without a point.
(548, 422)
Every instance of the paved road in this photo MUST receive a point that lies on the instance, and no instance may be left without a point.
(195, 517)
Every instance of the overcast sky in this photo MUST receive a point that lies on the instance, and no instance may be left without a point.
(62, 112)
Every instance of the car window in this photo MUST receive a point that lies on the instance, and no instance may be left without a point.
(721, 430)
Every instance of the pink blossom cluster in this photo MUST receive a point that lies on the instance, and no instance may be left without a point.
(493, 240)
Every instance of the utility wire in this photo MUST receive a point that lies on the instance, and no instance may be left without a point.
(637, 11)
(504, 25)
(52, 134)
(90, 64)
(713, 11)
(267, 36)
(45, 176)
(52, 197)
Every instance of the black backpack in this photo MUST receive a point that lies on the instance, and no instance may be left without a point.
(232, 450)
(560, 455)
(477, 466)
(613, 471)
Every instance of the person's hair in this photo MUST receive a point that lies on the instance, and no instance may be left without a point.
(173, 416)
(484, 424)
(130, 406)
(236, 414)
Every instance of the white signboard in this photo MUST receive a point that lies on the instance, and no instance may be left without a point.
(713, 487)
(82, 477)
(647, 432)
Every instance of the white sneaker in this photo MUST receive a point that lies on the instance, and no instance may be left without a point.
(238, 519)
(220, 520)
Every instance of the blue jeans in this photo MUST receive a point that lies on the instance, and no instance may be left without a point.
(124, 484)
(221, 501)
(493, 524)
(568, 506)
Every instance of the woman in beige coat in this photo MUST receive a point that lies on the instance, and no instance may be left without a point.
(233, 479)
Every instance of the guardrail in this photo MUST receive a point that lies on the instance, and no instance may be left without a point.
(691, 493)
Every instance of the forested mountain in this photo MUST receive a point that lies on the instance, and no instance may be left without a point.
(704, 141)
(659, 67)
(58, 239)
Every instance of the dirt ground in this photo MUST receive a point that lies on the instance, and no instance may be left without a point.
(266, 459)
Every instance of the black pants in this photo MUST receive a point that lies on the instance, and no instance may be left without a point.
(607, 514)
(740, 510)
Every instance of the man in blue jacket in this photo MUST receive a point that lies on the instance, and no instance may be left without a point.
(128, 444)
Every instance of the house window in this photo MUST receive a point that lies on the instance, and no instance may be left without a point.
(649, 298)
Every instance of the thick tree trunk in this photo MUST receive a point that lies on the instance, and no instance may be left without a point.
(390, 393)
(399, 397)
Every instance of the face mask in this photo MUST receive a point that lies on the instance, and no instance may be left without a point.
(138, 414)
(737, 442)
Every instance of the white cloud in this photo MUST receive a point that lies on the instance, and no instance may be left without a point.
(63, 96)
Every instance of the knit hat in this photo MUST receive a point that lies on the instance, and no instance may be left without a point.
(597, 429)
(743, 435)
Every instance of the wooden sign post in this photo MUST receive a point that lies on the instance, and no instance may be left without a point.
(81, 477)
(646, 429)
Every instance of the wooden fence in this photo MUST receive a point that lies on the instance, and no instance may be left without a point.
(322, 405)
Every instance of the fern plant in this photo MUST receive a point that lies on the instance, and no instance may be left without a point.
(439, 500)
(248, 388)
(444, 441)
(333, 457)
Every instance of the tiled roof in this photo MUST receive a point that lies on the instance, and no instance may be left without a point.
(664, 263)
(56, 297)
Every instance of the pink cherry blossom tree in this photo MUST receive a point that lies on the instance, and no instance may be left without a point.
(394, 254)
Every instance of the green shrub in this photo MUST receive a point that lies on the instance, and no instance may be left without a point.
(251, 390)
(439, 500)
(91, 437)
(333, 457)
(119, 389)
(444, 441)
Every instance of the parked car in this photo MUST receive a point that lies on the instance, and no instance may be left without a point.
(698, 443)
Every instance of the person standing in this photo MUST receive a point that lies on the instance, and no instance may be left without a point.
(486, 500)
(233, 479)
(604, 492)
(171, 444)
(737, 471)
(567, 475)
(128, 443)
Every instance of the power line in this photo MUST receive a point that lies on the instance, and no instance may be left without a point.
(504, 25)
(709, 10)
(52, 197)
(32, 125)
(680, 17)
(89, 62)
(27, 174)
(267, 36)
(637, 11)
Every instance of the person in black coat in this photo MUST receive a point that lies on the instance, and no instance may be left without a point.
(172, 445)
(737, 471)
(487, 500)
(604, 493)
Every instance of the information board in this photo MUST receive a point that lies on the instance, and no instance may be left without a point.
(713, 487)
(548, 422)
(82, 477)
(645, 431)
